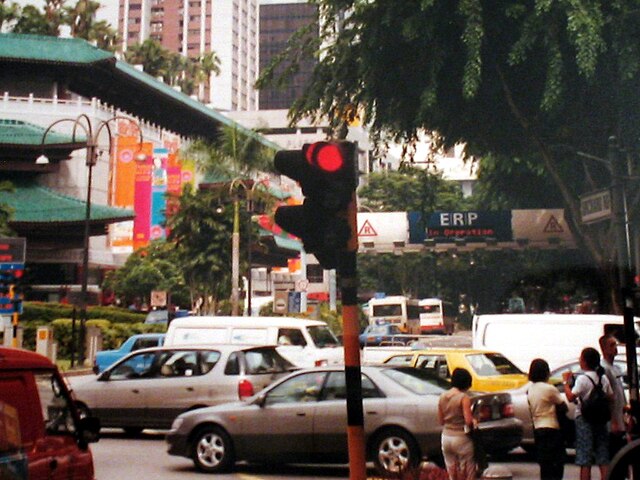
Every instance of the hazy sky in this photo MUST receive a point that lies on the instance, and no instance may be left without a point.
(108, 10)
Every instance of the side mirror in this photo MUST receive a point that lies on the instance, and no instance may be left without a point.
(104, 376)
(88, 430)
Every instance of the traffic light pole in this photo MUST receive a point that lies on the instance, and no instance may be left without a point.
(348, 278)
(326, 223)
(624, 269)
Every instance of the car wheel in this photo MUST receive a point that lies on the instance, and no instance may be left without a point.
(212, 450)
(393, 451)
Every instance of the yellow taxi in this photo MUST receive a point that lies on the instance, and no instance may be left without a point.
(490, 371)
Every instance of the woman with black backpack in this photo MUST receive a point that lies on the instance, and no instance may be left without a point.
(592, 414)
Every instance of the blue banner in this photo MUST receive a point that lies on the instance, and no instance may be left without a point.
(472, 226)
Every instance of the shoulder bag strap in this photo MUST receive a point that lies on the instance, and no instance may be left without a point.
(529, 403)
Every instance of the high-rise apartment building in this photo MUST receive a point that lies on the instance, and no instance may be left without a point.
(279, 20)
(195, 27)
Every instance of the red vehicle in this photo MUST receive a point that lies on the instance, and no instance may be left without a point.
(41, 434)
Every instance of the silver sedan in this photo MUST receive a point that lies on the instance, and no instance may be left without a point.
(150, 387)
(303, 419)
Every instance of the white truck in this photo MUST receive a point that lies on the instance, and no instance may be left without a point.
(305, 343)
(557, 338)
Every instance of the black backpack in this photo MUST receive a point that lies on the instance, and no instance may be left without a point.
(595, 407)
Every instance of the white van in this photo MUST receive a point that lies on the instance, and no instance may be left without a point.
(558, 338)
(305, 343)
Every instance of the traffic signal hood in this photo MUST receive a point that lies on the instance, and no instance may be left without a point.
(326, 172)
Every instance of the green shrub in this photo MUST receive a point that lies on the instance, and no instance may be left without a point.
(113, 333)
(62, 334)
(48, 311)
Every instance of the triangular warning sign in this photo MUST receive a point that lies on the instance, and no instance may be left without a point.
(367, 230)
(553, 226)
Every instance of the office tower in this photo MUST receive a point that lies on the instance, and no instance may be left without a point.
(279, 19)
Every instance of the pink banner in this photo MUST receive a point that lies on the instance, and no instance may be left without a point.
(142, 201)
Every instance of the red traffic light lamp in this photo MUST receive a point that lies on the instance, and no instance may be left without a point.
(326, 172)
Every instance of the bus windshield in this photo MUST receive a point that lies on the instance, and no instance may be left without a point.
(387, 310)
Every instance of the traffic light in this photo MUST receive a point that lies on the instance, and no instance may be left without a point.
(326, 172)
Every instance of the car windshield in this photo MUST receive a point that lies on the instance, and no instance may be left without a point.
(399, 360)
(323, 336)
(416, 381)
(489, 364)
(157, 316)
(266, 361)
(387, 310)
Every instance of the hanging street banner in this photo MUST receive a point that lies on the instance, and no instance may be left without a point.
(159, 182)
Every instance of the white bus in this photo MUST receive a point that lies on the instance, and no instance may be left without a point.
(396, 309)
(436, 316)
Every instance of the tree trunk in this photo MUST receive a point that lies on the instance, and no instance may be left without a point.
(585, 240)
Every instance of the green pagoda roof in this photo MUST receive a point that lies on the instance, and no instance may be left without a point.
(47, 49)
(17, 132)
(91, 72)
(33, 203)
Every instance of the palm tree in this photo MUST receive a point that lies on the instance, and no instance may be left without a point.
(9, 13)
(104, 35)
(209, 65)
(235, 154)
(54, 15)
(151, 55)
(82, 20)
(234, 157)
(33, 21)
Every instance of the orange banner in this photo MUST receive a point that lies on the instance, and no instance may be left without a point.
(126, 151)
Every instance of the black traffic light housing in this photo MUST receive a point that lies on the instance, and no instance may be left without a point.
(327, 174)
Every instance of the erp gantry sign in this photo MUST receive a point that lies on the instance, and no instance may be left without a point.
(472, 226)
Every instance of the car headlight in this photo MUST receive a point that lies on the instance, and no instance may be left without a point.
(177, 423)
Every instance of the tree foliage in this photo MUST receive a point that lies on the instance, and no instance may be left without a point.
(201, 234)
(175, 69)
(231, 155)
(5, 211)
(80, 17)
(155, 267)
(530, 81)
(410, 189)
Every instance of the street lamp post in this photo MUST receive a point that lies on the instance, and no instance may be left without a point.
(235, 242)
(250, 209)
(92, 134)
(235, 248)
